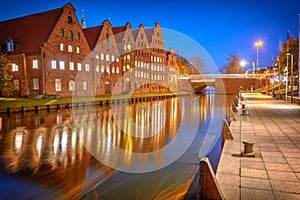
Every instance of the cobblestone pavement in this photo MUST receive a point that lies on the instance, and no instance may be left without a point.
(273, 172)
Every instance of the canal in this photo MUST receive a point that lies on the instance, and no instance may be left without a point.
(144, 150)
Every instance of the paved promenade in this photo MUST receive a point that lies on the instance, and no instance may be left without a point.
(274, 172)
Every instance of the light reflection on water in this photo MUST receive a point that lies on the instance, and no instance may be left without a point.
(45, 155)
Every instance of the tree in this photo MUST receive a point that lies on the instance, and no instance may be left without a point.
(291, 46)
(6, 85)
(233, 66)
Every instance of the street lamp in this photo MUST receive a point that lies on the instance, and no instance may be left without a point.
(243, 64)
(258, 43)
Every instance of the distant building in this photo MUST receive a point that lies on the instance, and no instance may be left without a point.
(52, 53)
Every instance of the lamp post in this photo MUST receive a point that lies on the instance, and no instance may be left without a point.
(257, 44)
(243, 64)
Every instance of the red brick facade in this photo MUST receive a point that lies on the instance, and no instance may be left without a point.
(67, 60)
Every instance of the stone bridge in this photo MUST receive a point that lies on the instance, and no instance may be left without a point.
(223, 83)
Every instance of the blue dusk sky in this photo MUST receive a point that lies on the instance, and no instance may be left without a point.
(221, 27)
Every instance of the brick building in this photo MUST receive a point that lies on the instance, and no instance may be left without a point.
(53, 54)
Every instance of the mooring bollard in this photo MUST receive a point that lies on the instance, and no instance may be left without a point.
(248, 148)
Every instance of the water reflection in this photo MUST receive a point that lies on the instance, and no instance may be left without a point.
(47, 155)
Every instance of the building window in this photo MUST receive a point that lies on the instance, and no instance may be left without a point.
(102, 56)
(79, 66)
(87, 67)
(128, 57)
(77, 49)
(128, 46)
(97, 68)
(71, 66)
(62, 32)
(107, 58)
(70, 48)
(78, 36)
(84, 85)
(117, 59)
(117, 70)
(107, 37)
(16, 84)
(35, 83)
(53, 64)
(35, 64)
(61, 46)
(113, 70)
(99, 85)
(72, 86)
(70, 34)
(10, 45)
(58, 85)
(70, 20)
(102, 68)
(61, 64)
(107, 69)
(14, 67)
(112, 58)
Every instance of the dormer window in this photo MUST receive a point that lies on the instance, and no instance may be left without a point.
(70, 20)
(10, 45)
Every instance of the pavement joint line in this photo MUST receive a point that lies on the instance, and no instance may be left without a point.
(270, 122)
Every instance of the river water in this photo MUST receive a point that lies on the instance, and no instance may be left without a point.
(145, 150)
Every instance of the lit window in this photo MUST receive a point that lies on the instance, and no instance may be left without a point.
(102, 68)
(58, 85)
(117, 60)
(112, 58)
(97, 68)
(71, 86)
(71, 66)
(87, 67)
(124, 47)
(79, 66)
(35, 83)
(129, 47)
(107, 69)
(97, 57)
(113, 70)
(61, 64)
(118, 70)
(70, 48)
(102, 56)
(16, 84)
(53, 64)
(107, 58)
(35, 64)
(128, 57)
(77, 49)
(84, 85)
(61, 46)
(14, 67)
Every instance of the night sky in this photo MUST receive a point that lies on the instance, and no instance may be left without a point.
(221, 27)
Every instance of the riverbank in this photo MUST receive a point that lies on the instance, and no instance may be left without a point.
(21, 105)
(272, 170)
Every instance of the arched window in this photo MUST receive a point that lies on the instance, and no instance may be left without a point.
(70, 34)
(70, 20)
(77, 49)
(14, 67)
(10, 45)
(78, 36)
(71, 86)
(62, 32)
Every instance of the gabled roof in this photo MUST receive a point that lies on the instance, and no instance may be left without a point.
(30, 31)
(135, 33)
(92, 34)
(119, 33)
(149, 32)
